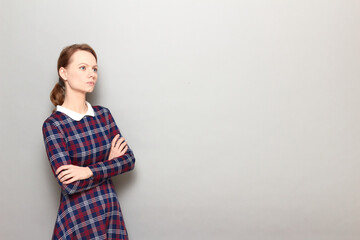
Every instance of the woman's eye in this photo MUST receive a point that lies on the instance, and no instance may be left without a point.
(95, 70)
(82, 68)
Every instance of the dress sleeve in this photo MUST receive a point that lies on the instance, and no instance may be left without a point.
(117, 165)
(58, 155)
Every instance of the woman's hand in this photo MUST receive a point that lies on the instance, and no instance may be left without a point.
(118, 147)
(71, 173)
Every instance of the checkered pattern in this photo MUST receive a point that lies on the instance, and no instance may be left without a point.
(89, 209)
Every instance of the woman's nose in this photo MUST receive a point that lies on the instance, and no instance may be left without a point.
(92, 73)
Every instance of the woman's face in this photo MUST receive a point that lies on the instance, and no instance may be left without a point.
(81, 73)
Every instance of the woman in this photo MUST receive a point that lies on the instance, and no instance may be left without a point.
(85, 149)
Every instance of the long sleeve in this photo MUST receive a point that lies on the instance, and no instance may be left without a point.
(115, 166)
(58, 155)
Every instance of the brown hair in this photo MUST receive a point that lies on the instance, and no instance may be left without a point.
(57, 95)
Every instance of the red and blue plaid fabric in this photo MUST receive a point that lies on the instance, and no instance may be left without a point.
(89, 209)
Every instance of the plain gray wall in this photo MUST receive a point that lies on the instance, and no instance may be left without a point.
(243, 115)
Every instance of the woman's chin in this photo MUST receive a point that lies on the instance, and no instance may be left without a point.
(90, 90)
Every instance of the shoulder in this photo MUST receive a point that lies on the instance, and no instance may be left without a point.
(56, 119)
(101, 111)
(104, 114)
(53, 118)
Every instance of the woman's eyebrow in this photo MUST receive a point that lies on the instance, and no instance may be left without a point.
(87, 64)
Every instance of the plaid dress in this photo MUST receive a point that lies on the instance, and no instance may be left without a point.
(89, 209)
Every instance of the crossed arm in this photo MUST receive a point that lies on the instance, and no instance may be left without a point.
(67, 174)
(72, 178)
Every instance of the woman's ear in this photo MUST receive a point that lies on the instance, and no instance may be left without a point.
(63, 73)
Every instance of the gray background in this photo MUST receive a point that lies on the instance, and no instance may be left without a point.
(243, 115)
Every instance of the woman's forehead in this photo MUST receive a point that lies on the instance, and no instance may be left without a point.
(83, 57)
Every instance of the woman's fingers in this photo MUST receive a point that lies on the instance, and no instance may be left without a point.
(113, 142)
(61, 168)
(122, 146)
(65, 172)
(61, 176)
(124, 150)
(70, 180)
(118, 147)
(64, 175)
(119, 142)
(65, 178)
(71, 173)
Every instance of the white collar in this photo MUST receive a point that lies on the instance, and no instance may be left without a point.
(74, 115)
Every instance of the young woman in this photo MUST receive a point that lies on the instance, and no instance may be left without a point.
(85, 149)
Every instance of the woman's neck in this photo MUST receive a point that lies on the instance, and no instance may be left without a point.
(75, 102)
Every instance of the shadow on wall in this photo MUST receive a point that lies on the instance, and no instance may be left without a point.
(124, 181)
